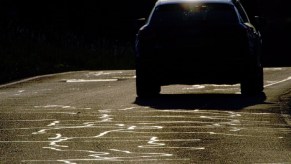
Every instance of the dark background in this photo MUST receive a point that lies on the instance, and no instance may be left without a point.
(47, 36)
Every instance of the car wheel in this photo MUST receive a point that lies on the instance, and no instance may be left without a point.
(253, 82)
(146, 84)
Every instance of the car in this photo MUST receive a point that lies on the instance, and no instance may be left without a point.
(198, 42)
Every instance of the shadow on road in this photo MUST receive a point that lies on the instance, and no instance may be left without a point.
(201, 101)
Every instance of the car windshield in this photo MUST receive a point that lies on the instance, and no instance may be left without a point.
(181, 14)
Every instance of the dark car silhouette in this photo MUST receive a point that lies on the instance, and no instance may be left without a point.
(198, 42)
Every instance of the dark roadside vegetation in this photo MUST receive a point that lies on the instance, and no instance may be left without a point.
(49, 36)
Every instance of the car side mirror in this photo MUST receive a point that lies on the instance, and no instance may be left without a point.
(259, 22)
(140, 22)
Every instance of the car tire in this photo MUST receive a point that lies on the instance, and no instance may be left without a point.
(253, 82)
(146, 84)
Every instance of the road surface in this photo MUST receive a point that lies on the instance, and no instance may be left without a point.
(95, 117)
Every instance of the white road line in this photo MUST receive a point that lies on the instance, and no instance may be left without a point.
(90, 80)
(278, 82)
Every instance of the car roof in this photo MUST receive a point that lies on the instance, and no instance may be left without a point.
(161, 2)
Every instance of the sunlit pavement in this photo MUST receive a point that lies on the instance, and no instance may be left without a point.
(95, 117)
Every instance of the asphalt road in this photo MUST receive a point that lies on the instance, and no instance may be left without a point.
(95, 117)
